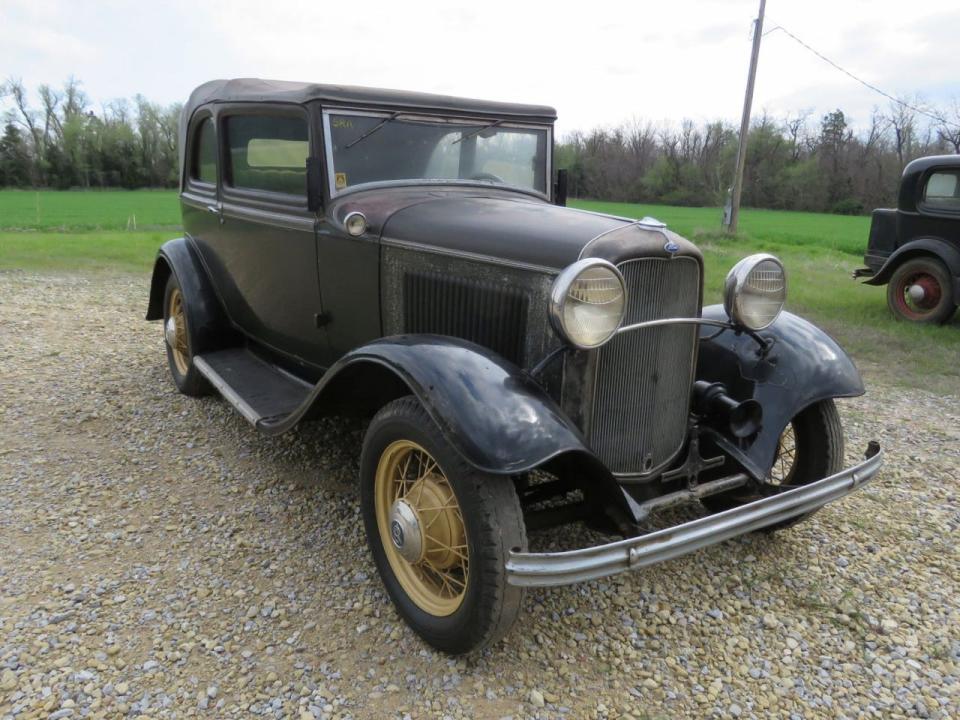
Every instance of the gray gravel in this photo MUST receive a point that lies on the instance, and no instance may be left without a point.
(158, 558)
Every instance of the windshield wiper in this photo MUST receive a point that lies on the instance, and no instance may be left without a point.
(478, 131)
(371, 131)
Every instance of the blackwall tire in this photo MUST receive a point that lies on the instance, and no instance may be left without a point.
(451, 589)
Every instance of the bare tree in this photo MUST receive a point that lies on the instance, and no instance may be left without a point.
(948, 125)
(903, 120)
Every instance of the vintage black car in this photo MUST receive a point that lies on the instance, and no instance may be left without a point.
(407, 257)
(915, 248)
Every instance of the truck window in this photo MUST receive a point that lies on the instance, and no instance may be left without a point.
(942, 191)
(268, 152)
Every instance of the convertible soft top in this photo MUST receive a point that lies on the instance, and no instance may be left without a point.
(257, 90)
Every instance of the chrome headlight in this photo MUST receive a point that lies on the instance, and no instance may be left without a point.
(587, 303)
(755, 291)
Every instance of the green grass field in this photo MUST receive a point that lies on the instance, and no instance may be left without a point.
(94, 232)
(92, 210)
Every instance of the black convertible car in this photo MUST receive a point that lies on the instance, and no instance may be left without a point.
(407, 257)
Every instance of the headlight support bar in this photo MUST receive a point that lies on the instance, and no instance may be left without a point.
(764, 344)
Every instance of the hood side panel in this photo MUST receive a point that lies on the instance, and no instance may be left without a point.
(509, 230)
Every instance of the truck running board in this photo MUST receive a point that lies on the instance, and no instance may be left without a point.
(257, 389)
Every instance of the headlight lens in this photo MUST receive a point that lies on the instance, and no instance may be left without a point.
(755, 291)
(587, 303)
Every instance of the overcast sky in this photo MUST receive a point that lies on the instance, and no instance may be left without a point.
(597, 62)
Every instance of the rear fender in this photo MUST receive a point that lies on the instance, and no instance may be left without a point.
(208, 324)
(942, 250)
(803, 367)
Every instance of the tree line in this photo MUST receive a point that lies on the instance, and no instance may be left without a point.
(796, 162)
(793, 163)
(66, 143)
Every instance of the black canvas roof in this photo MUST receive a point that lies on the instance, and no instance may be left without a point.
(257, 90)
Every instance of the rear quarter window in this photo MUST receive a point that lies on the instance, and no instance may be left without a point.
(268, 152)
(942, 191)
(204, 160)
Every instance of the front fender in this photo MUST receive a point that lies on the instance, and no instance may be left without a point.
(486, 407)
(804, 366)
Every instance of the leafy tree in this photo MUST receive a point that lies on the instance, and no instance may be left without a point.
(14, 158)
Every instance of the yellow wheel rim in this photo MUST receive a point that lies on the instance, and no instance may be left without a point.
(786, 458)
(421, 528)
(179, 347)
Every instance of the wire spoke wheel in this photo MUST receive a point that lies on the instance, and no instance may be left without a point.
(421, 527)
(177, 340)
(785, 460)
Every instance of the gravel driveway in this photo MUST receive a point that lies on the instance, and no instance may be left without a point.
(158, 558)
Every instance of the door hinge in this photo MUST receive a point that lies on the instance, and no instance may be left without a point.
(321, 319)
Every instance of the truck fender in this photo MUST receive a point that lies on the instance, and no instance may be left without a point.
(803, 366)
(208, 323)
(939, 248)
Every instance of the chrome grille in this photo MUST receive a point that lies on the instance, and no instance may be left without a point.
(643, 377)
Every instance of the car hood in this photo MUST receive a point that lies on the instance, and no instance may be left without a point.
(503, 226)
(507, 229)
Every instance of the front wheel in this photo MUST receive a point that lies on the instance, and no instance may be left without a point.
(440, 531)
(810, 448)
(921, 290)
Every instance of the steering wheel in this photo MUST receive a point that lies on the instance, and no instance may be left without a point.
(486, 177)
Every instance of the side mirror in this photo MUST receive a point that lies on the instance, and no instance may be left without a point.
(314, 185)
(560, 189)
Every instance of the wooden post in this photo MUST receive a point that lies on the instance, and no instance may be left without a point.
(730, 219)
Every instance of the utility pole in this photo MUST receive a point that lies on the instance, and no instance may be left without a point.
(731, 217)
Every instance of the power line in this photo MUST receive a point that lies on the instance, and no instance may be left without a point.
(898, 101)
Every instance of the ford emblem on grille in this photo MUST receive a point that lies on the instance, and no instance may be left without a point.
(671, 247)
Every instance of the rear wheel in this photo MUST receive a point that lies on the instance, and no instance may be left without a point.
(180, 342)
(920, 290)
(810, 448)
(440, 532)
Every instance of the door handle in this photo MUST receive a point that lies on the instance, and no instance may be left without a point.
(216, 210)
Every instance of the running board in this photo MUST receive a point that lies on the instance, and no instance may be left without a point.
(258, 390)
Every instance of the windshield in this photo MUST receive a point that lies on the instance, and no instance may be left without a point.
(368, 148)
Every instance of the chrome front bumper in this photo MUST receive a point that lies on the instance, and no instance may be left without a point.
(562, 568)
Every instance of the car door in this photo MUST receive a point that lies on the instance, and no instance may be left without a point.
(266, 246)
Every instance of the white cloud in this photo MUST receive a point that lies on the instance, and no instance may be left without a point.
(598, 63)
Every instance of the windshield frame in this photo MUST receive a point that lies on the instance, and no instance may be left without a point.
(470, 121)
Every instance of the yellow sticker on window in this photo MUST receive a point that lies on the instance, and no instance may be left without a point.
(340, 181)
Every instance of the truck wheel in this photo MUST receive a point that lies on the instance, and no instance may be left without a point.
(179, 342)
(440, 531)
(810, 448)
(921, 290)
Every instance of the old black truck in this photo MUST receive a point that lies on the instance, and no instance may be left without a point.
(914, 249)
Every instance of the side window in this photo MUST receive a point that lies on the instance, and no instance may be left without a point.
(204, 161)
(942, 191)
(268, 152)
